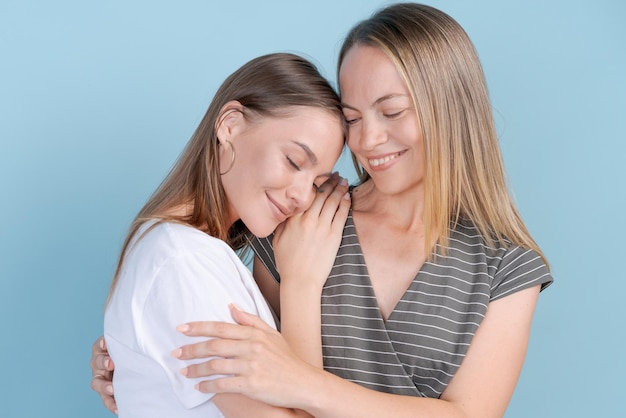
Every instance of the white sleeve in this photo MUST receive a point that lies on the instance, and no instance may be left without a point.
(189, 287)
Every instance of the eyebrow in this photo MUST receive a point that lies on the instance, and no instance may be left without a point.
(312, 156)
(308, 151)
(379, 100)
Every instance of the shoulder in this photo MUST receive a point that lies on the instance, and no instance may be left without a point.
(510, 266)
(166, 251)
(520, 268)
(170, 240)
(175, 259)
(264, 249)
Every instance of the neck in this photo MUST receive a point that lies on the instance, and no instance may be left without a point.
(404, 209)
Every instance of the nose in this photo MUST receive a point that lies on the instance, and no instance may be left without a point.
(300, 193)
(371, 134)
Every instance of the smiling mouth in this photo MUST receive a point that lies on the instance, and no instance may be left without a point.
(375, 162)
(281, 212)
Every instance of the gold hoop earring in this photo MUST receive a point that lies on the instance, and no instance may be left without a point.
(232, 158)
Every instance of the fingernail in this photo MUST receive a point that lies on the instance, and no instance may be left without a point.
(177, 353)
(101, 343)
(109, 389)
(183, 328)
(236, 307)
(346, 196)
(184, 371)
(107, 363)
(344, 182)
(196, 386)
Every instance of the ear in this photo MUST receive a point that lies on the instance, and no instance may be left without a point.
(229, 121)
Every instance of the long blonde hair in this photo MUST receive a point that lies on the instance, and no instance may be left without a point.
(267, 86)
(464, 173)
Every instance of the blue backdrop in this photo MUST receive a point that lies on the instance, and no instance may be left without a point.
(98, 98)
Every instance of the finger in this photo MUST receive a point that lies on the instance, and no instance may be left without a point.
(223, 334)
(102, 343)
(101, 364)
(245, 318)
(323, 192)
(339, 220)
(334, 201)
(100, 361)
(216, 366)
(109, 403)
(108, 364)
(102, 385)
(212, 348)
(231, 384)
(214, 329)
(97, 347)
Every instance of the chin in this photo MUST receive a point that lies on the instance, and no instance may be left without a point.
(261, 231)
(262, 235)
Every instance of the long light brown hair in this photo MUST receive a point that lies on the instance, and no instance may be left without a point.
(464, 173)
(267, 86)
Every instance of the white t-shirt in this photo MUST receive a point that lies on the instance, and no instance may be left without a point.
(172, 275)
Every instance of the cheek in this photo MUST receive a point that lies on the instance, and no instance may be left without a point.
(410, 130)
(263, 163)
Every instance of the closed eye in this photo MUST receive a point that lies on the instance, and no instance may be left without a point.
(294, 165)
(393, 115)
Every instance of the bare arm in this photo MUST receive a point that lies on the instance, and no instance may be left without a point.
(309, 225)
(482, 387)
(304, 267)
(234, 405)
(265, 366)
(305, 248)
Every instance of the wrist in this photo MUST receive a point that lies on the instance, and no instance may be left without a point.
(314, 396)
(304, 285)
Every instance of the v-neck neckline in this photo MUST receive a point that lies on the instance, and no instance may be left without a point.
(359, 253)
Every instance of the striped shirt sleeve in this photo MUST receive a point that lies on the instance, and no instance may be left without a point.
(519, 269)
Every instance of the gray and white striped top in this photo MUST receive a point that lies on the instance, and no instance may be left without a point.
(419, 348)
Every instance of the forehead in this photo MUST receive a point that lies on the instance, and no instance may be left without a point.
(300, 118)
(316, 131)
(366, 70)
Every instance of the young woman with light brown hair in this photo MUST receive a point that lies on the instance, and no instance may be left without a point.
(260, 155)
